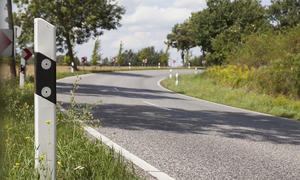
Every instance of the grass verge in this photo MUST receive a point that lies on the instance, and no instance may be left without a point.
(77, 156)
(203, 88)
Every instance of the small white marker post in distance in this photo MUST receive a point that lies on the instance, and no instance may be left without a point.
(189, 66)
(196, 70)
(45, 98)
(72, 67)
(158, 65)
(170, 76)
(176, 82)
(22, 72)
(129, 65)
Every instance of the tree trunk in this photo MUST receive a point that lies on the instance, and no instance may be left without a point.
(70, 52)
(182, 57)
(12, 62)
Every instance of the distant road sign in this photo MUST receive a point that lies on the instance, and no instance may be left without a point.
(27, 54)
(6, 36)
(83, 59)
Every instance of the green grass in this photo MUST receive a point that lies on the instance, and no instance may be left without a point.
(203, 88)
(73, 147)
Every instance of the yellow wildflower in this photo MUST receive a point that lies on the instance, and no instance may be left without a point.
(17, 165)
(6, 140)
(42, 157)
(27, 137)
(48, 122)
(58, 163)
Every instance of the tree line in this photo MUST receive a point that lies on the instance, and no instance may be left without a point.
(223, 27)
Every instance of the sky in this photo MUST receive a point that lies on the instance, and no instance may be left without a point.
(145, 23)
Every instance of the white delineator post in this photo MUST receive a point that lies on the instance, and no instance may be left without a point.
(196, 70)
(72, 67)
(22, 72)
(170, 76)
(129, 65)
(158, 65)
(189, 66)
(176, 82)
(45, 98)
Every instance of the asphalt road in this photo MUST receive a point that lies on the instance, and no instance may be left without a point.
(184, 137)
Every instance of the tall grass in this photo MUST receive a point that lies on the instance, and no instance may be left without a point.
(77, 156)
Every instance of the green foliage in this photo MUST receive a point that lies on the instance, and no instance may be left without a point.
(96, 56)
(280, 77)
(119, 58)
(76, 21)
(261, 49)
(165, 57)
(218, 29)
(153, 57)
(181, 38)
(285, 13)
(129, 56)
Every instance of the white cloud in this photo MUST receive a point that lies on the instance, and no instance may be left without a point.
(146, 23)
(194, 5)
(156, 15)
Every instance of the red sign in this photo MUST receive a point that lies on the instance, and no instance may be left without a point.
(83, 59)
(203, 62)
(115, 60)
(145, 61)
(6, 42)
(28, 54)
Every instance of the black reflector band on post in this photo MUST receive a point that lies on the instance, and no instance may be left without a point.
(45, 82)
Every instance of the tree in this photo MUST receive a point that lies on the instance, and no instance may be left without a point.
(119, 58)
(76, 20)
(153, 57)
(188, 56)
(12, 62)
(165, 56)
(129, 56)
(285, 13)
(181, 38)
(220, 27)
(96, 56)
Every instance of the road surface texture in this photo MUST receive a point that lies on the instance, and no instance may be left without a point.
(184, 137)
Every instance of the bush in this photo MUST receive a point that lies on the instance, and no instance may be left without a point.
(280, 77)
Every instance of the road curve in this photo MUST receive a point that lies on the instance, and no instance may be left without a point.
(184, 137)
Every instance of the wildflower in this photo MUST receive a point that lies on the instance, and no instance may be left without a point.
(27, 137)
(17, 165)
(58, 163)
(6, 140)
(6, 126)
(42, 157)
(48, 122)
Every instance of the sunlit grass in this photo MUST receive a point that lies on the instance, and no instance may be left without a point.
(77, 156)
(203, 88)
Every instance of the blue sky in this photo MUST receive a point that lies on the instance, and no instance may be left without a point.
(146, 23)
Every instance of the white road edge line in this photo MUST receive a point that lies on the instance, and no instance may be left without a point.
(131, 157)
(146, 102)
(201, 100)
